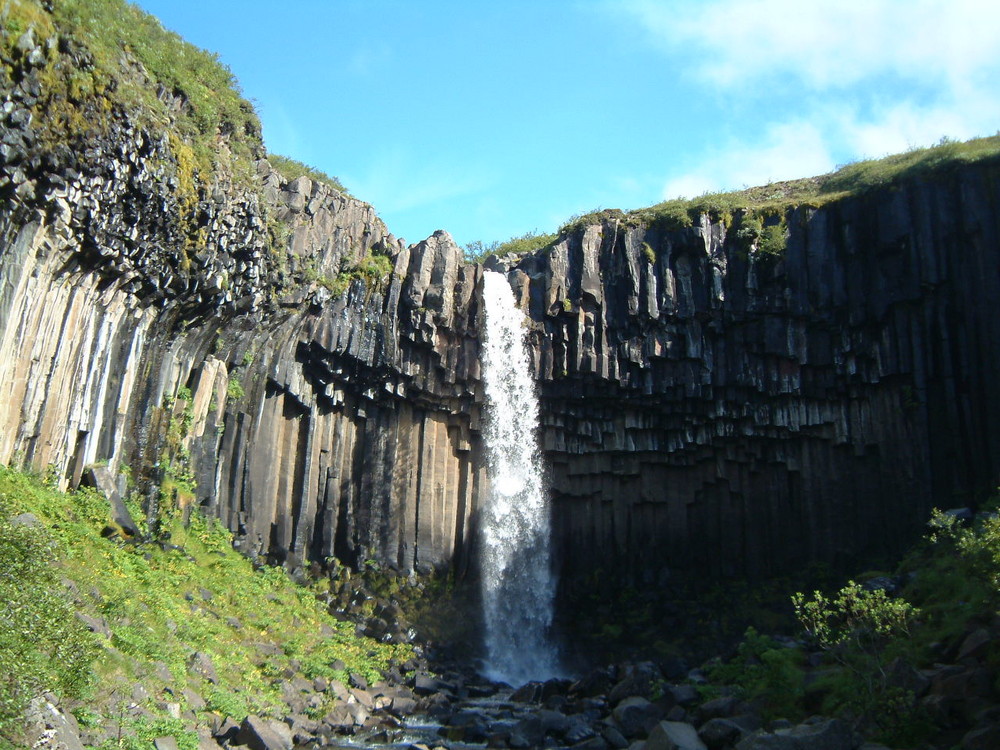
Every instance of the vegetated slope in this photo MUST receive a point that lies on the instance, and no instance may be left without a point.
(185, 620)
(908, 656)
(129, 61)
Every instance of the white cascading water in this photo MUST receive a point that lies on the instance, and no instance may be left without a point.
(517, 583)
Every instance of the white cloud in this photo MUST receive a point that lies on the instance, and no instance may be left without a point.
(857, 79)
(789, 150)
(821, 140)
(827, 43)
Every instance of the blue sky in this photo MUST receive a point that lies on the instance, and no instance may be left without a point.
(492, 119)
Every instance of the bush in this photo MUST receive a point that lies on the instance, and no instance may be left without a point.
(858, 628)
(866, 620)
(43, 647)
(773, 240)
(766, 672)
(234, 390)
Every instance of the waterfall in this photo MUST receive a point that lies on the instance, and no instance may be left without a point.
(517, 584)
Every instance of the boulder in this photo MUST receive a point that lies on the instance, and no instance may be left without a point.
(614, 738)
(260, 734)
(721, 707)
(636, 716)
(201, 664)
(762, 740)
(103, 480)
(638, 679)
(674, 735)
(47, 725)
(684, 695)
(719, 732)
(975, 644)
(982, 738)
(819, 734)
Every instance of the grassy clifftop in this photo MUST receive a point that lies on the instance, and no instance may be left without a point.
(94, 56)
(766, 204)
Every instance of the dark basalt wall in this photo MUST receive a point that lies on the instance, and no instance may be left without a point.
(730, 412)
(712, 408)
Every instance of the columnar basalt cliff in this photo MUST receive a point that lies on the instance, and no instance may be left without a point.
(706, 405)
(712, 407)
(317, 426)
(188, 334)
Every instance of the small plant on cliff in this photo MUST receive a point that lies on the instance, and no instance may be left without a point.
(773, 239)
(234, 389)
(750, 229)
(375, 267)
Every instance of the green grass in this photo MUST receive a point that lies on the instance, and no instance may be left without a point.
(291, 169)
(151, 598)
(775, 199)
(115, 32)
(529, 242)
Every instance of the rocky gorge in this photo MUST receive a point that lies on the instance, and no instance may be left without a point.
(706, 406)
(257, 345)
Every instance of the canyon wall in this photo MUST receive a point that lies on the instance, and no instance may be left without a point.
(707, 407)
(712, 407)
(225, 340)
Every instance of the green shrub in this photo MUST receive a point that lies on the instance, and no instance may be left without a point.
(374, 267)
(750, 229)
(861, 629)
(773, 239)
(955, 577)
(234, 390)
(138, 733)
(42, 645)
(226, 703)
(866, 620)
(767, 673)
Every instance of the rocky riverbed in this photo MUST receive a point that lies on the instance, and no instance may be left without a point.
(434, 700)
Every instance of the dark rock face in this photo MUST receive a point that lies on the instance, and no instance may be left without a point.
(717, 409)
(732, 412)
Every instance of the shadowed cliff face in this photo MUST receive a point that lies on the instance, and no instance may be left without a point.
(711, 408)
(728, 411)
